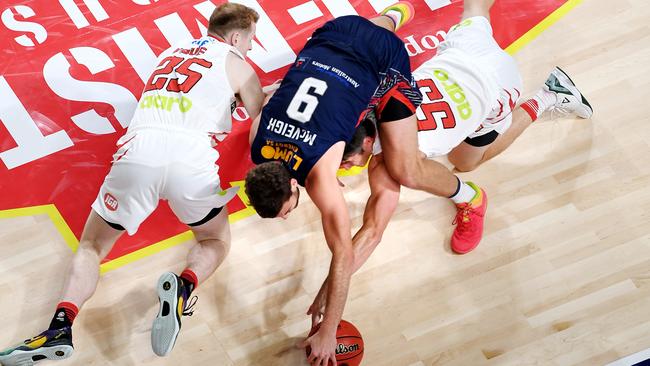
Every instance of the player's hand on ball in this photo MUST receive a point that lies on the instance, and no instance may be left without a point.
(323, 348)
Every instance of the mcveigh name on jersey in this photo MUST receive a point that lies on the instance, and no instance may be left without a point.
(293, 132)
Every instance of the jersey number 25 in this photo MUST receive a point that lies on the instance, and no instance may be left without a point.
(169, 70)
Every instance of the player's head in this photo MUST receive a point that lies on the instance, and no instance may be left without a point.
(271, 190)
(235, 23)
(358, 150)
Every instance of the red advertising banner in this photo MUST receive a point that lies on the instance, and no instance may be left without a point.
(71, 73)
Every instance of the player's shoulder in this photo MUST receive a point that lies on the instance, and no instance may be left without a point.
(236, 64)
(238, 69)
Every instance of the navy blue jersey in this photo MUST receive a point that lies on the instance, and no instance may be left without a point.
(334, 79)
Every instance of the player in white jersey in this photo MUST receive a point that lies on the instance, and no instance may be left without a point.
(167, 153)
(470, 89)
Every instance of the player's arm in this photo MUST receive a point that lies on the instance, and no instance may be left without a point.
(268, 90)
(383, 200)
(384, 197)
(322, 186)
(245, 84)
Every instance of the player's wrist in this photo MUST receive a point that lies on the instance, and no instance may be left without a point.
(328, 327)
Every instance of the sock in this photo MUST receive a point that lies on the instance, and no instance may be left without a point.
(64, 315)
(539, 104)
(190, 281)
(466, 192)
(400, 13)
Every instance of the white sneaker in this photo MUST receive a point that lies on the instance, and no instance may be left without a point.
(569, 98)
(173, 305)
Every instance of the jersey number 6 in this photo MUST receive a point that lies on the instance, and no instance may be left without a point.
(304, 104)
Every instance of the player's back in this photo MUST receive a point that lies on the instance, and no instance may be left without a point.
(317, 105)
(347, 67)
(189, 89)
(468, 88)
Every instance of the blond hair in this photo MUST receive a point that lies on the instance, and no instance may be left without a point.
(230, 16)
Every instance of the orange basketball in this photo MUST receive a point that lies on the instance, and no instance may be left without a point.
(349, 344)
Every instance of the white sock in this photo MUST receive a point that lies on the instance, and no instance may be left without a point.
(465, 193)
(539, 103)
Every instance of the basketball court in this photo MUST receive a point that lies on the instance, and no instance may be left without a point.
(561, 277)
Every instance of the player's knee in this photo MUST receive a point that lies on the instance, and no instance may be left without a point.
(408, 180)
(405, 175)
(220, 245)
(93, 248)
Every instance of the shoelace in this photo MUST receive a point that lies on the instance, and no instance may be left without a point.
(189, 309)
(463, 212)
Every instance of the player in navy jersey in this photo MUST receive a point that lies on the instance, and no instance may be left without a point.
(349, 66)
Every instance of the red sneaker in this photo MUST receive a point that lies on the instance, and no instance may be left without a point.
(469, 220)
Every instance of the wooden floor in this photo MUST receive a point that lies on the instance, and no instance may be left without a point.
(562, 276)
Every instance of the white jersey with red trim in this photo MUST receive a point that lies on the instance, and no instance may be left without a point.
(469, 89)
(189, 89)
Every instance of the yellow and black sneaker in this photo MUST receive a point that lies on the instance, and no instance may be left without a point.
(173, 297)
(53, 344)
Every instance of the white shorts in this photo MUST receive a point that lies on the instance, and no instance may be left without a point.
(474, 36)
(474, 59)
(161, 163)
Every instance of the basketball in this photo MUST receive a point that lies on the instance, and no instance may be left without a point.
(349, 344)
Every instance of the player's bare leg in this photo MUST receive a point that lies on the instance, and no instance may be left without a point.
(466, 157)
(96, 241)
(474, 8)
(213, 244)
(55, 343)
(407, 166)
(410, 169)
(559, 93)
(212, 248)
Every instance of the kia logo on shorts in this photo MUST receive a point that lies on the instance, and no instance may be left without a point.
(110, 202)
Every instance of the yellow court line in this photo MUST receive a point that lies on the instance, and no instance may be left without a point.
(73, 243)
(145, 252)
(551, 19)
(54, 215)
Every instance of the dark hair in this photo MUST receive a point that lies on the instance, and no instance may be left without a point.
(365, 129)
(230, 16)
(268, 187)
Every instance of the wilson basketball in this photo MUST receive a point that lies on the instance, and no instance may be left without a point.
(349, 344)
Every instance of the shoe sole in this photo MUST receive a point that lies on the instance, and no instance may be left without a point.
(574, 90)
(166, 325)
(26, 358)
